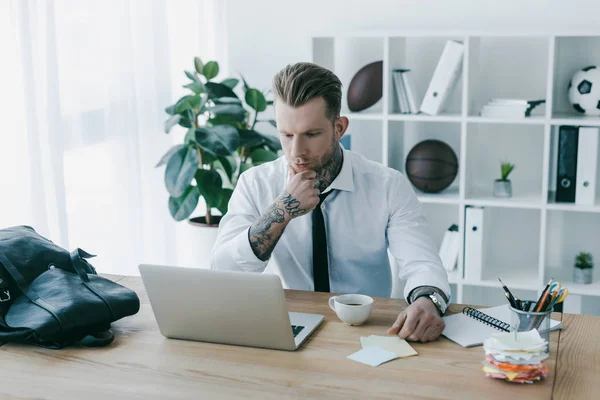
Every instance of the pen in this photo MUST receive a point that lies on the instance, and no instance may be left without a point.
(509, 296)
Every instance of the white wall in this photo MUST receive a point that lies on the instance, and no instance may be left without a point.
(265, 35)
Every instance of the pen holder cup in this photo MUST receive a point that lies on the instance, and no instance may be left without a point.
(525, 321)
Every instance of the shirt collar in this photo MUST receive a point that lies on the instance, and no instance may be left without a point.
(344, 180)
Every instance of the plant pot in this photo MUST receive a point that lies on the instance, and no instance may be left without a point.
(582, 275)
(502, 188)
(195, 240)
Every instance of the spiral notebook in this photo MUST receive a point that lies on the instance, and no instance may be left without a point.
(473, 326)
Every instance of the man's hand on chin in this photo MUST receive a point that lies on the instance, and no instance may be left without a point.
(420, 321)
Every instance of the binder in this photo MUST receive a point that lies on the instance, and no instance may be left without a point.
(401, 91)
(443, 78)
(449, 248)
(587, 164)
(566, 165)
(473, 259)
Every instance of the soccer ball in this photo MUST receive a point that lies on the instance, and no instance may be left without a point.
(584, 91)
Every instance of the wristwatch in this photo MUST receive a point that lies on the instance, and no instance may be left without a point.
(437, 300)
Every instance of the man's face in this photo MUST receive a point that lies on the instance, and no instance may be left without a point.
(309, 139)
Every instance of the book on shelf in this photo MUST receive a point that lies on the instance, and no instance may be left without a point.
(444, 78)
(509, 108)
(404, 92)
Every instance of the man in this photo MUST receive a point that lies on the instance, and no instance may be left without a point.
(338, 244)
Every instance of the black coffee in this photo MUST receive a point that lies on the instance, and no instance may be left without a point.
(354, 304)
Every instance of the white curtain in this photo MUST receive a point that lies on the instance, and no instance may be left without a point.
(83, 87)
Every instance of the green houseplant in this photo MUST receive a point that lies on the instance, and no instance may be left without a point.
(584, 264)
(220, 144)
(503, 186)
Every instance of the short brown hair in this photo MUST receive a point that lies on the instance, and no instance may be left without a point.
(299, 83)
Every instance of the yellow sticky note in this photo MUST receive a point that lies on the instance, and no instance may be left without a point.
(509, 375)
(390, 343)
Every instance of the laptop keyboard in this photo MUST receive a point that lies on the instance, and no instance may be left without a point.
(296, 329)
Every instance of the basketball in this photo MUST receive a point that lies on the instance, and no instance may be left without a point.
(431, 166)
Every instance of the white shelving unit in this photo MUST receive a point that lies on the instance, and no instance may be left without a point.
(529, 237)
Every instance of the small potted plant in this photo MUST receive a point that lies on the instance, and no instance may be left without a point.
(502, 186)
(582, 272)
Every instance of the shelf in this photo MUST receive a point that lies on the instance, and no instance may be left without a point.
(526, 281)
(518, 201)
(425, 117)
(553, 205)
(448, 196)
(574, 119)
(364, 116)
(536, 120)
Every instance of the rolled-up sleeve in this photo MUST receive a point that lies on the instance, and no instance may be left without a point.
(410, 241)
(232, 249)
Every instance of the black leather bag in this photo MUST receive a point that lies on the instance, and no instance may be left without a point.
(52, 298)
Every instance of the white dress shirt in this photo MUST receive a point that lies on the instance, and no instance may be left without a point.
(372, 209)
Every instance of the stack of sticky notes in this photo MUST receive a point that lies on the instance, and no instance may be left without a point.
(516, 357)
(377, 350)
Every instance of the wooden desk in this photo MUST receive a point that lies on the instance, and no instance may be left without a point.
(143, 364)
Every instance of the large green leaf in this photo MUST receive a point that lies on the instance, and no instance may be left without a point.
(210, 184)
(180, 170)
(218, 90)
(210, 70)
(224, 120)
(192, 76)
(229, 165)
(231, 83)
(221, 140)
(222, 206)
(196, 87)
(245, 167)
(171, 122)
(186, 123)
(182, 207)
(190, 137)
(198, 65)
(170, 110)
(246, 87)
(256, 100)
(252, 138)
(234, 111)
(168, 154)
(260, 156)
(188, 103)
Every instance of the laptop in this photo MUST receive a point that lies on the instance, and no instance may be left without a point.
(229, 307)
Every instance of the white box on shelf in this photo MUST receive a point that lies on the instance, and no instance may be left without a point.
(473, 258)
(587, 163)
(444, 77)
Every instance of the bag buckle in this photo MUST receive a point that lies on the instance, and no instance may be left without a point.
(4, 295)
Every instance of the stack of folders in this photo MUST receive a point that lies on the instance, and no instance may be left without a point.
(516, 359)
(509, 108)
(404, 91)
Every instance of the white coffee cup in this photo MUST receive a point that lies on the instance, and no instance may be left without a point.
(352, 309)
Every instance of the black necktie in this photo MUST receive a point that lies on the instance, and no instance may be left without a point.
(320, 267)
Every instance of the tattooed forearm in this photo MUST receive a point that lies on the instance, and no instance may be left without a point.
(291, 205)
(262, 236)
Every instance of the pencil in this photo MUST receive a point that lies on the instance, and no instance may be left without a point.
(542, 299)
